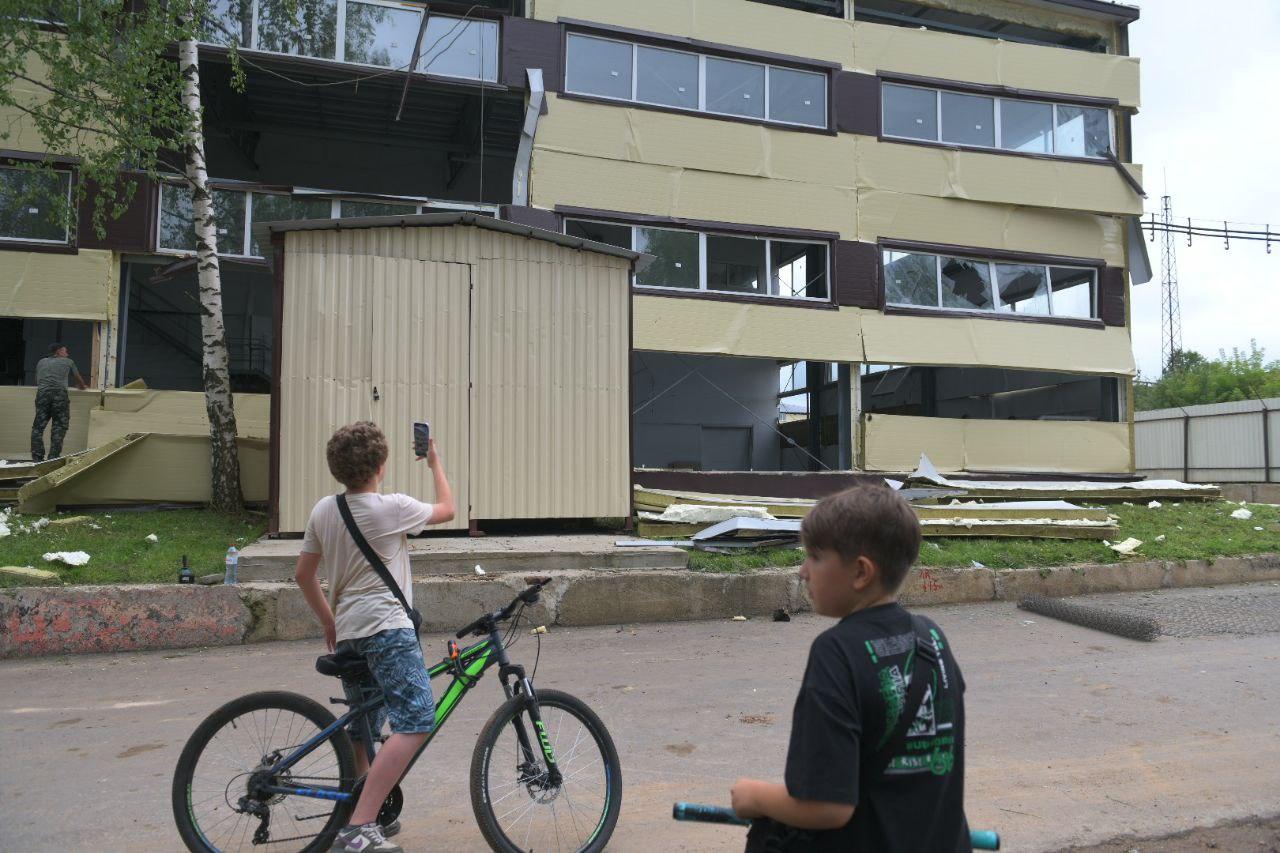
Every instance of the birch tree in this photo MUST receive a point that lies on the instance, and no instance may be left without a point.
(97, 80)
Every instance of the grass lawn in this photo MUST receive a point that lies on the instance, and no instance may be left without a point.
(1193, 530)
(118, 549)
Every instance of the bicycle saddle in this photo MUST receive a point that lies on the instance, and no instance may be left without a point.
(341, 664)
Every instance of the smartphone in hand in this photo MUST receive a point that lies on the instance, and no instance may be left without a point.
(421, 439)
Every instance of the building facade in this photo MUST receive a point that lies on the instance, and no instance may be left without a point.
(881, 228)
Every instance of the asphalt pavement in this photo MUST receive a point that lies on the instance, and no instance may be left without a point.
(1074, 736)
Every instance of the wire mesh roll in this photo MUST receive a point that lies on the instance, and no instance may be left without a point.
(1098, 618)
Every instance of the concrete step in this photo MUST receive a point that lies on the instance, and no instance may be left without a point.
(274, 560)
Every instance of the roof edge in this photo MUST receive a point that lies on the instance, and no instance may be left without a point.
(1121, 12)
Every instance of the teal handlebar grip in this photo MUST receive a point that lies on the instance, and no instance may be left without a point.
(984, 839)
(707, 814)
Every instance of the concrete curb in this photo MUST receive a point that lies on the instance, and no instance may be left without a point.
(37, 621)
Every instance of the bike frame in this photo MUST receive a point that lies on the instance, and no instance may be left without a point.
(468, 668)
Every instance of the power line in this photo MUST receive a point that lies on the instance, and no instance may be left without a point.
(1227, 231)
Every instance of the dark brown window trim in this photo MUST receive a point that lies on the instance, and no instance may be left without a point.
(699, 114)
(1001, 152)
(727, 51)
(10, 156)
(722, 296)
(987, 254)
(996, 91)
(911, 311)
(42, 248)
(762, 231)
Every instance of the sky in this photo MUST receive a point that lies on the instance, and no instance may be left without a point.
(1208, 120)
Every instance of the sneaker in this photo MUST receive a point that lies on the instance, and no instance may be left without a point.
(392, 828)
(366, 838)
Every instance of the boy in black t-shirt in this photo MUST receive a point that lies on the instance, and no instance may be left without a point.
(859, 546)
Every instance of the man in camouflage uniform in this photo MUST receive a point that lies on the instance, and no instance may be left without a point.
(52, 402)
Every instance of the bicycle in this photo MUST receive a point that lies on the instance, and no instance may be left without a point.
(283, 760)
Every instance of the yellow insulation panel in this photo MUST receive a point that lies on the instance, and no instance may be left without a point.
(695, 141)
(755, 26)
(80, 286)
(901, 339)
(949, 56)
(18, 410)
(674, 191)
(883, 214)
(126, 411)
(976, 175)
(673, 324)
(895, 442)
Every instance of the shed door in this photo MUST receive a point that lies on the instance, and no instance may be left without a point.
(420, 371)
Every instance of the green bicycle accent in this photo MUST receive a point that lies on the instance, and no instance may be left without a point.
(542, 737)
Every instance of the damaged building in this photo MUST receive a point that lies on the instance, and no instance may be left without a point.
(873, 228)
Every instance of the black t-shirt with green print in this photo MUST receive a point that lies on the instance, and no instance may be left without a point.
(850, 700)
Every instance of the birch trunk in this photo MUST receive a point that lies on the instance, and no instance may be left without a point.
(224, 463)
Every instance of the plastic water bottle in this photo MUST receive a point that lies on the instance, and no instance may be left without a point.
(233, 563)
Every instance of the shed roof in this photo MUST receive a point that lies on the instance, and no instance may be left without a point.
(264, 230)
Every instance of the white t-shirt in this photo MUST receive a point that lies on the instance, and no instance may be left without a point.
(362, 604)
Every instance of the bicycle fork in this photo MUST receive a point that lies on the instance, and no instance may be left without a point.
(515, 683)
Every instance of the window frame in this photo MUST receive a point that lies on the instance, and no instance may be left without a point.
(69, 242)
(702, 289)
(998, 147)
(340, 40)
(702, 108)
(421, 204)
(997, 308)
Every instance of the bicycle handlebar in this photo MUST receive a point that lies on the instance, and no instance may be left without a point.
(486, 623)
(982, 839)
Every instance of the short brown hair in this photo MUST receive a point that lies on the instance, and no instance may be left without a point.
(355, 453)
(869, 520)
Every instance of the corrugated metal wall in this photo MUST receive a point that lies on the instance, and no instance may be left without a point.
(326, 365)
(541, 332)
(1216, 443)
(550, 400)
(420, 371)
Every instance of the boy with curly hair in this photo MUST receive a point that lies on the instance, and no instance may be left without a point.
(362, 616)
(859, 776)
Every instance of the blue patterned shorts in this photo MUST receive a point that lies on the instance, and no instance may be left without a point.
(397, 668)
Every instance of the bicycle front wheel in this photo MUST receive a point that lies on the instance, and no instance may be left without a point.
(214, 803)
(518, 806)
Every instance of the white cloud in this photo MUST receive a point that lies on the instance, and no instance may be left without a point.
(1208, 122)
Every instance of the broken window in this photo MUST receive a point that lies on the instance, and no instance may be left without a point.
(666, 77)
(835, 8)
(980, 121)
(29, 205)
(623, 71)
(25, 340)
(693, 260)
(1082, 131)
(905, 13)
(736, 264)
(988, 393)
(916, 279)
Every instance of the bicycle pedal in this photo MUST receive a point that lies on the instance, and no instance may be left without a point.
(333, 700)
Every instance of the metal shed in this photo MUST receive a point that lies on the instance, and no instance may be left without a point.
(512, 341)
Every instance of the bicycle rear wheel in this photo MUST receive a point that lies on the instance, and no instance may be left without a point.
(212, 805)
(515, 803)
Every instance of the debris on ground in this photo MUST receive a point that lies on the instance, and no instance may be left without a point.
(151, 537)
(1126, 547)
(1242, 514)
(479, 571)
(71, 558)
(211, 580)
(1154, 505)
(707, 514)
(926, 474)
(781, 615)
(1160, 538)
(739, 619)
(1133, 626)
(27, 573)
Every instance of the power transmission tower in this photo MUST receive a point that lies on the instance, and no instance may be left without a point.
(1170, 310)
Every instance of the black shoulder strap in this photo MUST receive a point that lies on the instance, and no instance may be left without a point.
(371, 555)
(922, 676)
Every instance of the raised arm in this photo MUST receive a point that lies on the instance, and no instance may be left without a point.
(443, 510)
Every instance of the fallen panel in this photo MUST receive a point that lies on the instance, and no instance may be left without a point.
(927, 473)
(748, 528)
